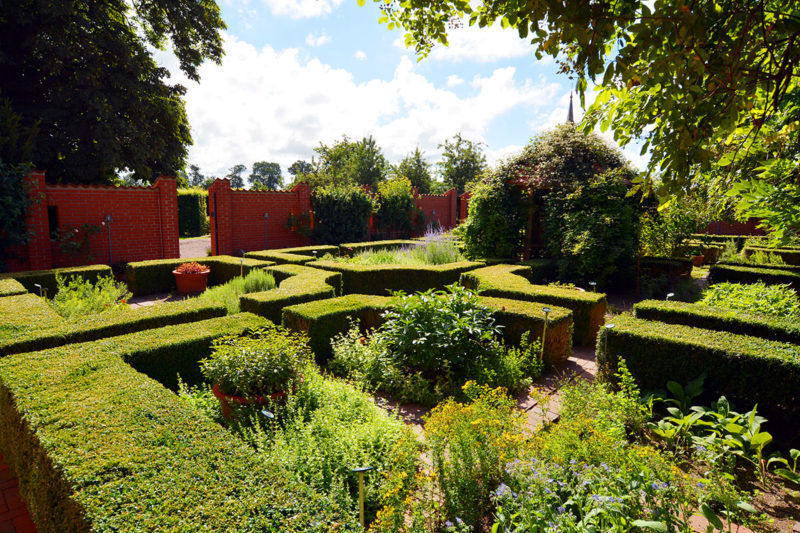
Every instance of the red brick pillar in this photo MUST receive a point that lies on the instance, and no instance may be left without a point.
(39, 253)
(464, 207)
(221, 217)
(168, 209)
(452, 209)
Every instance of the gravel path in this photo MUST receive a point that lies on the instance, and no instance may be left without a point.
(197, 247)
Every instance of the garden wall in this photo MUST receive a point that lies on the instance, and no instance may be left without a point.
(439, 210)
(144, 223)
(735, 228)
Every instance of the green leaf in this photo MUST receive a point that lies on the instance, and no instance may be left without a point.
(711, 516)
(652, 525)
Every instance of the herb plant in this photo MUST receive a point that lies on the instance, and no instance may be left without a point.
(76, 297)
(758, 298)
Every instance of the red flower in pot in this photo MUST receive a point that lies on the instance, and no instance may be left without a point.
(191, 277)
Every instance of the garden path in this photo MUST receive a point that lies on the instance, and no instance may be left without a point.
(14, 516)
(195, 247)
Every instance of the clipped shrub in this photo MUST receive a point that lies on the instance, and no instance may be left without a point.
(349, 249)
(127, 454)
(745, 369)
(396, 206)
(341, 213)
(11, 287)
(47, 278)
(671, 267)
(789, 256)
(192, 212)
(507, 281)
(743, 274)
(772, 300)
(22, 315)
(706, 316)
(494, 224)
(294, 256)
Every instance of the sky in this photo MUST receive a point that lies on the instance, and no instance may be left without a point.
(300, 72)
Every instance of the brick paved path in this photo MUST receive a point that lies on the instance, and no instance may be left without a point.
(14, 517)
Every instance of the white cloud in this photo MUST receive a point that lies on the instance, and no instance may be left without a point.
(298, 9)
(454, 81)
(317, 40)
(484, 45)
(239, 114)
(360, 55)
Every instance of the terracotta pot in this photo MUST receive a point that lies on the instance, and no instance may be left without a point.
(697, 260)
(191, 283)
(229, 401)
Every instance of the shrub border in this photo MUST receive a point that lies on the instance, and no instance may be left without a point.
(47, 278)
(741, 274)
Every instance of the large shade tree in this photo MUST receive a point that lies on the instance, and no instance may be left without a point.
(84, 71)
(711, 87)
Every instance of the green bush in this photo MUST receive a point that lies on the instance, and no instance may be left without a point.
(349, 249)
(663, 232)
(340, 213)
(297, 284)
(126, 454)
(743, 274)
(494, 225)
(78, 297)
(47, 278)
(294, 256)
(789, 256)
(265, 361)
(14, 198)
(591, 230)
(11, 287)
(151, 277)
(745, 369)
(739, 261)
(507, 281)
(229, 293)
(31, 330)
(772, 300)
(395, 207)
(429, 252)
(192, 212)
(719, 319)
(671, 267)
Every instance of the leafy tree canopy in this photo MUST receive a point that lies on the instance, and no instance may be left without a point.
(235, 175)
(83, 72)
(300, 167)
(266, 176)
(349, 162)
(416, 169)
(696, 81)
(462, 162)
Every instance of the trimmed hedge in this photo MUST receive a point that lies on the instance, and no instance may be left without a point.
(718, 319)
(150, 277)
(192, 212)
(745, 369)
(99, 446)
(508, 281)
(721, 240)
(25, 314)
(743, 274)
(322, 320)
(294, 256)
(47, 278)
(665, 266)
(353, 248)
(541, 270)
(790, 256)
(296, 284)
(733, 262)
(11, 287)
(38, 336)
(382, 279)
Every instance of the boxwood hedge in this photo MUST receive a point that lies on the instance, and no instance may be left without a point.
(735, 262)
(381, 280)
(746, 369)
(99, 446)
(294, 256)
(324, 319)
(353, 248)
(296, 284)
(35, 327)
(718, 319)
(150, 277)
(192, 212)
(47, 278)
(665, 266)
(790, 256)
(11, 287)
(743, 274)
(508, 281)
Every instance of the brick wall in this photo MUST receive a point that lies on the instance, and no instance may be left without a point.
(439, 210)
(463, 206)
(144, 222)
(735, 228)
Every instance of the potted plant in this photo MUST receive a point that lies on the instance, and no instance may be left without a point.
(256, 369)
(697, 256)
(191, 277)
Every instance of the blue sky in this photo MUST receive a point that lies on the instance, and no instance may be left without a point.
(300, 72)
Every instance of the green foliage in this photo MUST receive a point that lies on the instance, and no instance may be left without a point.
(235, 174)
(470, 445)
(22, 315)
(11, 287)
(462, 162)
(494, 223)
(266, 176)
(746, 274)
(47, 278)
(591, 229)
(434, 251)
(228, 294)
(120, 114)
(348, 162)
(340, 213)
(663, 232)
(78, 297)
(777, 301)
(124, 443)
(328, 428)
(266, 361)
(416, 169)
(396, 206)
(192, 212)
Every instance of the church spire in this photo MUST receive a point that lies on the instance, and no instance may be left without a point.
(570, 114)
